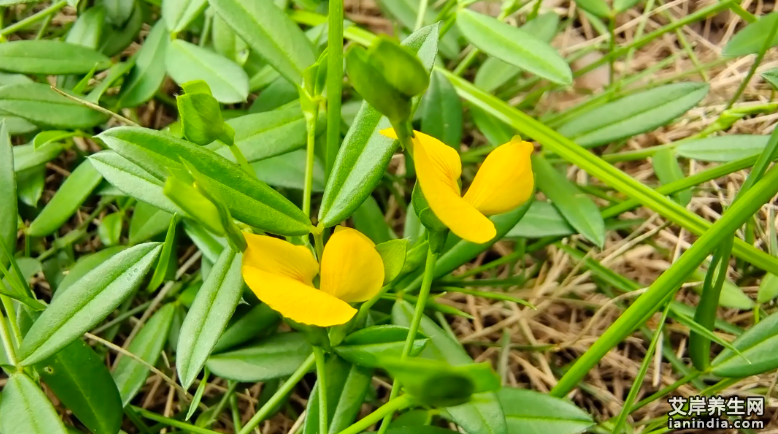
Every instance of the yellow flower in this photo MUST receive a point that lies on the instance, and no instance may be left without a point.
(503, 182)
(281, 275)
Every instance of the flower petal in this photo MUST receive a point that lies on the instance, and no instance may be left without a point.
(297, 301)
(437, 168)
(280, 257)
(351, 268)
(504, 180)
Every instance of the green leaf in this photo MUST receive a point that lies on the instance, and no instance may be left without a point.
(633, 114)
(27, 157)
(531, 412)
(347, 386)
(166, 264)
(399, 66)
(371, 84)
(207, 318)
(513, 45)
(365, 153)
(119, 11)
(149, 70)
(83, 266)
(757, 345)
(71, 194)
(39, 104)
(87, 302)
(116, 38)
(130, 375)
(50, 57)
(88, 28)
(393, 254)
(732, 296)
(147, 222)
(275, 357)
(752, 37)
(369, 219)
(179, 13)
(248, 323)
(270, 33)
(595, 7)
(82, 382)
(496, 132)
(366, 347)
(541, 220)
(406, 12)
(30, 184)
(25, 409)
(110, 229)
(668, 170)
(288, 171)
(277, 94)
(186, 62)
(768, 288)
(577, 208)
(8, 213)
(723, 148)
(771, 77)
(133, 180)
(247, 198)
(200, 115)
(227, 43)
(623, 5)
(17, 125)
(483, 413)
(494, 73)
(442, 111)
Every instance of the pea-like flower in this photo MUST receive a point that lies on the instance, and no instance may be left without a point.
(503, 182)
(281, 274)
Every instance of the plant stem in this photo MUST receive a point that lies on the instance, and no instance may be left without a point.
(424, 292)
(310, 126)
(8, 345)
(420, 16)
(32, 19)
(611, 47)
(282, 392)
(11, 311)
(387, 409)
(743, 84)
(241, 159)
(171, 422)
(334, 83)
(321, 386)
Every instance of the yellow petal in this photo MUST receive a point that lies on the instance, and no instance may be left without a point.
(351, 268)
(280, 257)
(504, 180)
(438, 168)
(389, 132)
(295, 300)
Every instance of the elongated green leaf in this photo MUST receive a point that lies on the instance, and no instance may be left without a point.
(365, 153)
(227, 43)
(723, 148)
(751, 38)
(442, 114)
(8, 213)
(247, 324)
(771, 77)
(496, 132)
(82, 382)
(110, 229)
(87, 302)
(483, 413)
(247, 198)
(149, 70)
(133, 180)
(27, 157)
(542, 220)
(667, 170)
(580, 211)
(369, 219)
(119, 11)
(215, 302)
(188, 62)
(406, 12)
(147, 222)
(366, 347)
(30, 185)
(633, 114)
(71, 194)
(288, 171)
(130, 375)
(117, 37)
(84, 265)
(179, 13)
(40, 105)
(25, 409)
(768, 288)
(732, 296)
(270, 33)
(530, 412)
(623, 5)
(513, 45)
(276, 95)
(347, 386)
(166, 265)
(49, 57)
(275, 357)
(757, 345)
(88, 28)
(595, 7)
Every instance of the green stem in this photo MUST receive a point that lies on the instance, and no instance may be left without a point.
(334, 83)
(282, 392)
(387, 409)
(32, 19)
(310, 126)
(8, 344)
(11, 311)
(242, 161)
(420, 16)
(418, 314)
(664, 391)
(743, 84)
(611, 47)
(321, 386)
(171, 422)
